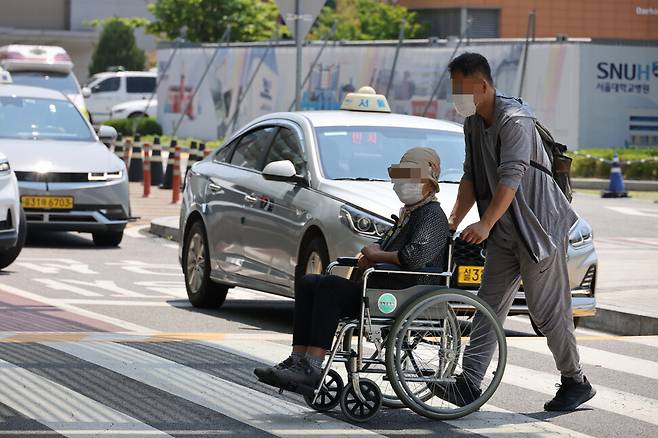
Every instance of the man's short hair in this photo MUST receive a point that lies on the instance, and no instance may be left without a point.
(469, 63)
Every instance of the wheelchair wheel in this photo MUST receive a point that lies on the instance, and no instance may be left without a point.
(431, 334)
(353, 408)
(330, 393)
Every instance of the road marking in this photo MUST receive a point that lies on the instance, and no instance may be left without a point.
(645, 212)
(47, 266)
(489, 421)
(135, 232)
(267, 413)
(62, 409)
(123, 302)
(144, 268)
(609, 399)
(58, 285)
(593, 356)
(70, 308)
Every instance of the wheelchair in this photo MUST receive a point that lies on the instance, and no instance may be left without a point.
(409, 342)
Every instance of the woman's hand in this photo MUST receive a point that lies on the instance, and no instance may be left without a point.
(370, 250)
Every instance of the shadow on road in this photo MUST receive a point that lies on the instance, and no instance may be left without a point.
(61, 239)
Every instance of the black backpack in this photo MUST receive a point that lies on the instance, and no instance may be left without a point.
(560, 169)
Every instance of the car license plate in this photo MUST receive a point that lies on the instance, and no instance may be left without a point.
(47, 202)
(469, 274)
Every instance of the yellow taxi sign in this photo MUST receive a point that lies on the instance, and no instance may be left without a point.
(365, 99)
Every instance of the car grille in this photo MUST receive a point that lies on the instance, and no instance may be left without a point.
(589, 279)
(464, 253)
(63, 177)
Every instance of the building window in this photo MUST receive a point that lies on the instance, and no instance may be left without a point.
(451, 22)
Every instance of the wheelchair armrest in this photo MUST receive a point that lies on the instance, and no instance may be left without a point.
(392, 267)
(387, 267)
(347, 261)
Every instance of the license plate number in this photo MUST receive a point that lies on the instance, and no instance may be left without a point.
(469, 274)
(47, 202)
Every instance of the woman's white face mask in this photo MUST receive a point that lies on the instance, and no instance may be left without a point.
(409, 193)
(464, 104)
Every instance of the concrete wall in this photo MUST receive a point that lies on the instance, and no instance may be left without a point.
(34, 14)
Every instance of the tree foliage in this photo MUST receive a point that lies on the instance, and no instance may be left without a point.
(117, 46)
(205, 21)
(366, 20)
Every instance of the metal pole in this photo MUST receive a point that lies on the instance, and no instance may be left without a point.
(225, 38)
(241, 96)
(531, 20)
(436, 89)
(395, 58)
(327, 37)
(298, 43)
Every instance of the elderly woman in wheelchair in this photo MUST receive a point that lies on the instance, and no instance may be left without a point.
(407, 324)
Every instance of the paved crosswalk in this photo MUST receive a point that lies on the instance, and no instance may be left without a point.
(196, 384)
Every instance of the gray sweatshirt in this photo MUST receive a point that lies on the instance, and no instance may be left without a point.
(540, 214)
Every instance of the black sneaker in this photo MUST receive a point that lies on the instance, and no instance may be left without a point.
(570, 395)
(264, 374)
(461, 393)
(300, 377)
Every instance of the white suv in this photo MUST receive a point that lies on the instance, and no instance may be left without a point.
(111, 88)
(12, 219)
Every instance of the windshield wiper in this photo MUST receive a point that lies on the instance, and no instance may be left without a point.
(360, 178)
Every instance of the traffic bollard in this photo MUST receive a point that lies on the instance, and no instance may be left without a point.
(127, 149)
(118, 146)
(175, 180)
(156, 162)
(192, 157)
(169, 171)
(147, 170)
(136, 168)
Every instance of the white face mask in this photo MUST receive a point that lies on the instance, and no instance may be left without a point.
(464, 104)
(409, 193)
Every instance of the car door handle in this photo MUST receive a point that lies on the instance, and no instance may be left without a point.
(215, 188)
(250, 199)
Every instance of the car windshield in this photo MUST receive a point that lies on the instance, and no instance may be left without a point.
(64, 82)
(366, 152)
(30, 118)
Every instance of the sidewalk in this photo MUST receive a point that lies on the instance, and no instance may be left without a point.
(624, 306)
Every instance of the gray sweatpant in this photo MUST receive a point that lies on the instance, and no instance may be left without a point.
(547, 291)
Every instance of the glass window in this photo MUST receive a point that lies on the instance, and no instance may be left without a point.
(366, 152)
(63, 82)
(252, 148)
(286, 147)
(109, 84)
(30, 118)
(223, 153)
(140, 84)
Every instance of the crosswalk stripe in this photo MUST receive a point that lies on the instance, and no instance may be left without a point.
(65, 411)
(265, 412)
(608, 399)
(489, 421)
(593, 356)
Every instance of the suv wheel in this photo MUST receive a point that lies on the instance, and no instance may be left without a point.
(107, 238)
(314, 258)
(7, 257)
(201, 290)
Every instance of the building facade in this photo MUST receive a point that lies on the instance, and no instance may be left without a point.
(596, 19)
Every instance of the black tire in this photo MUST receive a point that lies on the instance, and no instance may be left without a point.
(315, 249)
(7, 257)
(107, 238)
(329, 396)
(535, 327)
(353, 408)
(201, 290)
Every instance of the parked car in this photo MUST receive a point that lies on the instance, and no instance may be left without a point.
(43, 66)
(12, 218)
(135, 108)
(112, 88)
(289, 192)
(67, 178)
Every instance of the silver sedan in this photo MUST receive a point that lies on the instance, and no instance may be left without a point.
(291, 191)
(68, 179)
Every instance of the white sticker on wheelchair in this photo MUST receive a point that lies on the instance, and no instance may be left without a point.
(386, 303)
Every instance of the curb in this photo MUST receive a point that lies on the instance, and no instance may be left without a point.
(165, 227)
(602, 184)
(621, 323)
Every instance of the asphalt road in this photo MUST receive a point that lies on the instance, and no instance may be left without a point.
(83, 353)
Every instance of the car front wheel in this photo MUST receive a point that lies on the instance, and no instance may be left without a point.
(8, 256)
(201, 290)
(107, 238)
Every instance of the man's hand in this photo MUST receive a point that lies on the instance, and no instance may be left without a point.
(476, 233)
(452, 224)
(364, 263)
(370, 250)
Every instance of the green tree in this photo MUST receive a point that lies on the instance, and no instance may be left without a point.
(116, 46)
(365, 20)
(205, 21)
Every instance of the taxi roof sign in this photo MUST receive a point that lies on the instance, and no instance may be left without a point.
(365, 99)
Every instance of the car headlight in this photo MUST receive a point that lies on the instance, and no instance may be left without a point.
(4, 167)
(363, 223)
(105, 176)
(581, 234)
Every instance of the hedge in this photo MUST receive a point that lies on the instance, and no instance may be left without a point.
(592, 166)
(144, 125)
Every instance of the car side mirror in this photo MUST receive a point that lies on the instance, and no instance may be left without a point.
(282, 170)
(86, 92)
(106, 133)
